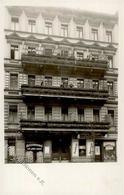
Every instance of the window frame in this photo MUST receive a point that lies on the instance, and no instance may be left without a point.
(94, 34)
(32, 25)
(109, 36)
(14, 23)
(13, 118)
(16, 82)
(64, 30)
(79, 31)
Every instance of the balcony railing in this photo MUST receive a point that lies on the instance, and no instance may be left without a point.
(64, 61)
(64, 125)
(62, 92)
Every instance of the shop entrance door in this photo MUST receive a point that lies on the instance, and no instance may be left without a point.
(61, 148)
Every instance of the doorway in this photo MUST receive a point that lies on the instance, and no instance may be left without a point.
(61, 148)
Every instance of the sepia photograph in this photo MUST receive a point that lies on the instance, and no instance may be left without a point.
(62, 102)
(61, 73)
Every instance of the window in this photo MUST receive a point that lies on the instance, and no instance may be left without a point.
(31, 25)
(110, 87)
(48, 81)
(65, 113)
(48, 113)
(13, 113)
(64, 30)
(110, 61)
(31, 50)
(13, 81)
(82, 147)
(80, 55)
(80, 114)
(65, 82)
(80, 83)
(64, 53)
(95, 84)
(11, 150)
(31, 112)
(94, 34)
(47, 52)
(31, 80)
(111, 116)
(14, 52)
(109, 36)
(79, 32)
(15, 23)
(95, 115)
(48, 28)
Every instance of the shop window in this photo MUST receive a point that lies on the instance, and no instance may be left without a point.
(95, 115)
(13, 81)
(31, 112)
(48, 113)
(64, 30)
(79, 32)
(48, 28)
(13, 114)
(80, 55)
(48, 81)
(109, 36)
(31, 50)
(48, 52)
(11, 150)
(95, 84)
(94, 33)
(31, 80)
(15, 23)
(80, 114)
(31, 25)
(64, 82)
(111, 116)
(80, 83)
(14, 52)
(110, 87)
(110, 61)
(65, 113)
(82, 147)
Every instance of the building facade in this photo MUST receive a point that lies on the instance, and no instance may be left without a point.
(61, 70)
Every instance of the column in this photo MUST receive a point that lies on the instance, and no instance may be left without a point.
(20, 150)
(47, 151)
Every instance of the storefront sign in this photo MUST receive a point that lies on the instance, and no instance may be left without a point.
(75, 148)
(47, 150)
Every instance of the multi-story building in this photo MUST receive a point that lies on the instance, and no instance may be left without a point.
(60, 85)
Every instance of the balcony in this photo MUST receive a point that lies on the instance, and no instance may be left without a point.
(64, 93)
(27, 125)
(63, 65)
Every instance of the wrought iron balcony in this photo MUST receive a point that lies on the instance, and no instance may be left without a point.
(61, 92)
(41, 63)
(64, 125)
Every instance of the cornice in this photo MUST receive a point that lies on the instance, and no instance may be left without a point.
(64, 41)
